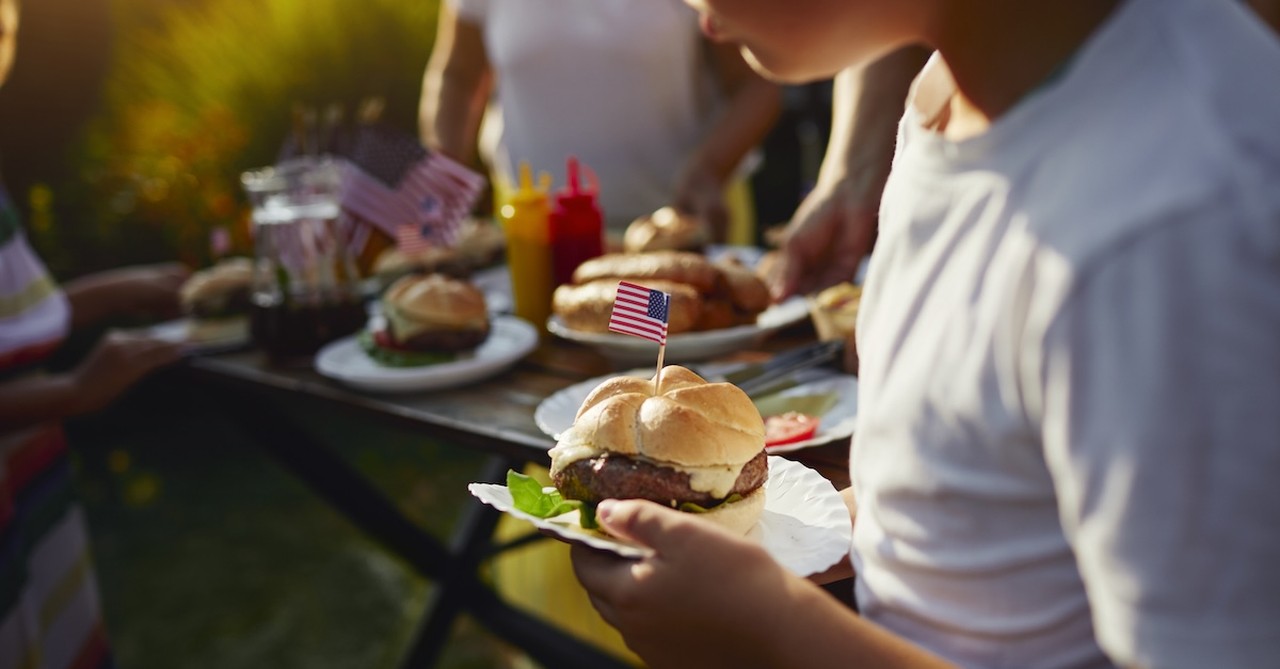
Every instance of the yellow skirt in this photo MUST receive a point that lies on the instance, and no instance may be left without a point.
(538, 578)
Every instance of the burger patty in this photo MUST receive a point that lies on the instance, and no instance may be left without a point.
(620, 477)
(445, 340)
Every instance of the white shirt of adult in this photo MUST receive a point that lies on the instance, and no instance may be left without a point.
(624, 85)
(1068, 448)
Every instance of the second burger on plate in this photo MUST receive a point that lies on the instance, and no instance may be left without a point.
(428, 319)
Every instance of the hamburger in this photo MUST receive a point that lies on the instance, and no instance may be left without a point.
(217, 300)
(693, 446)
(428, 319)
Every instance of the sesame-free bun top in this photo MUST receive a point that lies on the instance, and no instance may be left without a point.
(217, 284)
(436, 300)
(690, 422)
(665, 230)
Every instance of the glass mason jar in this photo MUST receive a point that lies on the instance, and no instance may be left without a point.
(306, 289)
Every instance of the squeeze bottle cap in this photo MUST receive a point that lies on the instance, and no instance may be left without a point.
(573, 195)
(527, 192)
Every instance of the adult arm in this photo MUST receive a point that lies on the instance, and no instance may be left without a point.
(456, 86)
(833, 228)
(707, 598)
(752, 109)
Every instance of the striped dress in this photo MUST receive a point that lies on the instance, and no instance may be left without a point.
(49, 611)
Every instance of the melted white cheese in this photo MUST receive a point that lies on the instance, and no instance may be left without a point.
(715, 480)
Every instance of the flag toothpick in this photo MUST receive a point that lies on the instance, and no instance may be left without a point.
(642, 312)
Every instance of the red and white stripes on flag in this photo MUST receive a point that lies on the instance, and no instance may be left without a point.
(640, 312)
(411, 241)
(433, 197)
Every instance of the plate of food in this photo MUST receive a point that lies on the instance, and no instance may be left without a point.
(813, 407)
(717, 306)
(630, 442)
(215, 306)
(433, 332)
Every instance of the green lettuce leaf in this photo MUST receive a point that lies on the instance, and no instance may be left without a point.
(690, 507)
(812, 405)
(393, 358)
(530, 497)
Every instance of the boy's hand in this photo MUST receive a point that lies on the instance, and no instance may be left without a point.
(700, 600)
(828, 237)
(115, 364)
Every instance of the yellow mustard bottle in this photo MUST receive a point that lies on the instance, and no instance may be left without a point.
(525, 218)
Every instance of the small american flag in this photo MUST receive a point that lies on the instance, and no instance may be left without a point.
(641, 312)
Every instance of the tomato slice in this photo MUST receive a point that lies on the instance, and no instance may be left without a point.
(789, 428)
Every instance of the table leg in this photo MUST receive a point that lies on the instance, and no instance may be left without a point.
(454, 569)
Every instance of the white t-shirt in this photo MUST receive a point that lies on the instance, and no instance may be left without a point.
(1069, 428)
(625, 85)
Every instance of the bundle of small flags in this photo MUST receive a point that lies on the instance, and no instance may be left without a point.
(417, 197)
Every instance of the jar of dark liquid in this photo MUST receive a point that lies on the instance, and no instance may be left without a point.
(306, 289)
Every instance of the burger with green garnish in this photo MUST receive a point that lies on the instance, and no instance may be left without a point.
(427, 320)
(693, 445)
(216, 301)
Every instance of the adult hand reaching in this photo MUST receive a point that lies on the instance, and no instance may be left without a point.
(701, 195)
(828, 237)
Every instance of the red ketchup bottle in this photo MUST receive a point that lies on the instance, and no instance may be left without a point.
(577, 226)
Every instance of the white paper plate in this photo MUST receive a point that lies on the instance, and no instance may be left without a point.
(555, 414)
(689, 346)
(222, 338)
(805, 525)
(510, 339)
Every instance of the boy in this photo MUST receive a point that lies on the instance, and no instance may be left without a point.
(1070, 356)
(49, 613)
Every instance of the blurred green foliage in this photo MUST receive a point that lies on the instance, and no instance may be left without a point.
(201, 90)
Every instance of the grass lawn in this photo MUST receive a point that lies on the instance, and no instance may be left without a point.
(210, 556)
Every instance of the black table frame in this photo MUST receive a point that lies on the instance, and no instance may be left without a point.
(454, 567)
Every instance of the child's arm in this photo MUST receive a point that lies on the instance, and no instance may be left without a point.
(140, 290)
(115, 364)
(708, 598)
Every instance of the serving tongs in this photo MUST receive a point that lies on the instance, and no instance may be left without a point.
(772, 375)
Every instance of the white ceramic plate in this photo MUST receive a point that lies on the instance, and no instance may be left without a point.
(223, 337)
(805, 525)
(555, 414)
(687, 346)
(510, 339)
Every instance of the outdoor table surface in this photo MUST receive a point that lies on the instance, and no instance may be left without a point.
(493, 417)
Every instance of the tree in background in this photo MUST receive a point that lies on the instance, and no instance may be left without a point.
(198, 91)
